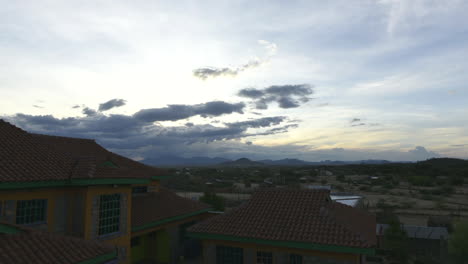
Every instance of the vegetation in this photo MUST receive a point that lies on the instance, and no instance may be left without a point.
(217, 202)
(458, 243)
(396, 241)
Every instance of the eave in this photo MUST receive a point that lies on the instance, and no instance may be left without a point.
(285, 244)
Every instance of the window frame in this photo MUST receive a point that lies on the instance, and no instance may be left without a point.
(234, 255)
(29, 210)
(109, 222)
(264, 257)
(292, 259)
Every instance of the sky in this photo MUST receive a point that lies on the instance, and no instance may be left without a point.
(314, 80)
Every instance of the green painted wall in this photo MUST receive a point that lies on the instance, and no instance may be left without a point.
(162, 246)
(139, 252)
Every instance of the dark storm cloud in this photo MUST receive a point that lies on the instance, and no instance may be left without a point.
(177, 112)
(88, 111)
(287, 96)
(258, 123)
(111, 104)
(285, 102)
(133, 131)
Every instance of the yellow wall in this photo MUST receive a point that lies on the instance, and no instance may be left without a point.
(124, 239)
(50, 194)
(89, 193)
(256, 247)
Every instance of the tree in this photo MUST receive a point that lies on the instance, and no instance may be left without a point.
(458, 243)
(396, 241)
(216, 201)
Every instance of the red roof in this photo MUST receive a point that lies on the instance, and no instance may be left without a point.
(307, 216)
(26, 157)
(22, 245)
(155, 206)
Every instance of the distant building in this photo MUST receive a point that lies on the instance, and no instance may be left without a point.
(347, 199)
(424, 241)
(318, 187)
(288, 226)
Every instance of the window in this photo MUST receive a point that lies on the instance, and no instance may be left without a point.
(229, 255)
(31, 211)
(264, 257)
(139, 189)
(109, 214)
(135, 241)
(295, 259)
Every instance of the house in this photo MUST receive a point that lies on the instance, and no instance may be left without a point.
(346, 198)
(25, 245)
(423, 241)
(288, 226)
(77, 188)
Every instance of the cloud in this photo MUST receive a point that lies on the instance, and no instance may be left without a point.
(129, 136)
(360, 124)
(178, 112)
(111, 104)
(213, 72)
(123, 132)
(89, 112)
(38, 106)
(355, 120)
(286, 96)
(257, 123)
(76, 106)
(422, 152)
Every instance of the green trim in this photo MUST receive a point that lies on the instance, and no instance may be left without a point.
(100, 259)
(73, 182)
(160, 177)
(167, 220)
(108, 164)
(5, 229)
(289, 244)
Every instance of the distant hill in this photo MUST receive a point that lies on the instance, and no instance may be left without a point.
(174, 161)
(242, 162)
(444, 162)
(285, 162)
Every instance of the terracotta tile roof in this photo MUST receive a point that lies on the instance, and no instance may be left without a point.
(307, 216)
(32, 157)
(85, 151)
(32, 246)
(155, 206)
(22, 158)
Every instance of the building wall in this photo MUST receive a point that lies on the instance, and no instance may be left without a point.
(280, 255)
(57, 206)
(121, 239)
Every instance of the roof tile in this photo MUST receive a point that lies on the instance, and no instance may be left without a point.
(295, 215)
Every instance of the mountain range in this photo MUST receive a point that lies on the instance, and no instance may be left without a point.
(175, 161)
